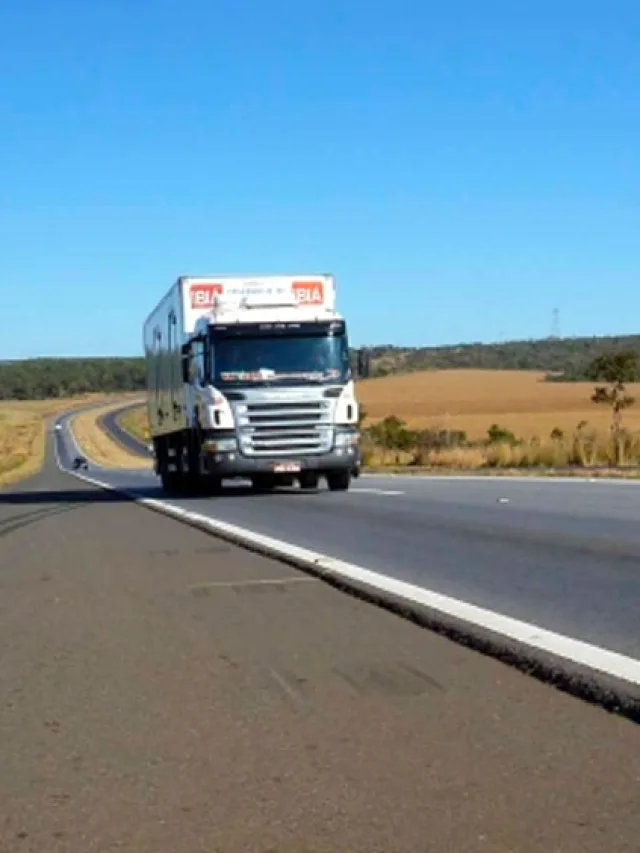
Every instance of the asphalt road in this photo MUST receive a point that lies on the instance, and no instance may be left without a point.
(162, 690)
(561, 554)
(109, 422)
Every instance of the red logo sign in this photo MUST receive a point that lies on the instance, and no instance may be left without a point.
(309, 292)
(202, 295)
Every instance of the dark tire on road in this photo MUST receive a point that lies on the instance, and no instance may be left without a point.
(209, 486)
(170, 482)
(263, 483)
(309, 480)
(194, 482)
(339, 481)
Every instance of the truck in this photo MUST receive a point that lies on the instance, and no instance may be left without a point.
(252, 377)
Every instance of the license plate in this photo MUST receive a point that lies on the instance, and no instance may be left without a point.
(285, 467)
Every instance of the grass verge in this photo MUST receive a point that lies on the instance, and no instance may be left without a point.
(136, 423)
(389, 444)
(23, 430)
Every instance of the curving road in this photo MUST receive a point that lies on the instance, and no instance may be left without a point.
(110, 422)
(561, 555)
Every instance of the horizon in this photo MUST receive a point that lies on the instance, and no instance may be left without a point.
(469, 172)
(460, 344)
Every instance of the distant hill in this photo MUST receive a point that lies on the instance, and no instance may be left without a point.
(563, 359)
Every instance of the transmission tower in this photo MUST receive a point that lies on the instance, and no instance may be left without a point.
(555, 323)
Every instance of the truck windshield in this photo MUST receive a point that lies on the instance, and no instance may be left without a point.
(242, 358)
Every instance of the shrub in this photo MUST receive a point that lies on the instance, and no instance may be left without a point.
(391, 433)
(499, 435)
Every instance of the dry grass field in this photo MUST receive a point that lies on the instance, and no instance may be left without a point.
(472, 400)
(23, 427)
(468, 400)
(136, 422)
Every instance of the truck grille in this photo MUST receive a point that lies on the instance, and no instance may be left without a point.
(272, 429)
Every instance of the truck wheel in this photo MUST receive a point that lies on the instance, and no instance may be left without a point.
(263, 483)
(193, 484)
(309, 480)
(212, 486)
(339, 481)
(170, 482)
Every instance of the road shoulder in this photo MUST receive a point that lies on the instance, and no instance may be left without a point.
(166, 690)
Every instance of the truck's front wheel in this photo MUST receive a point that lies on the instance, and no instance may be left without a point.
(263, 482)
(339, 481)
(170, 482)
(309, 480)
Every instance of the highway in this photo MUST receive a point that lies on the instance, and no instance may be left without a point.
(164, 690)
(109, 422)
(563, 555)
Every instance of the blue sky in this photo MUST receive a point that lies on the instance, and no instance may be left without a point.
(463, 168)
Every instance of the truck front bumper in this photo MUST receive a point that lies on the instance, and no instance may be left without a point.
(228, 465)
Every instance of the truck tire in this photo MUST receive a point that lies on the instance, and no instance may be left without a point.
(168, 479)
(263, 483)
(339, 481)
(170, 482)
(211, 486)
(192, 479)
(309, 480)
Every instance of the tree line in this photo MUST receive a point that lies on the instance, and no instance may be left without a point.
(562, 359)
(47, 378)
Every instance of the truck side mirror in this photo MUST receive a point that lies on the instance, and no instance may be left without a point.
(364, 364)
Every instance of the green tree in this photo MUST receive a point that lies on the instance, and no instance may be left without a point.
(392, 434)
(40, 378)
(499, 435)
(616, 369)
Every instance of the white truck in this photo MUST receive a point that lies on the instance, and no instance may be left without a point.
(251, 377)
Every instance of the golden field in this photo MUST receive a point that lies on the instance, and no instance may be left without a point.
(23, 427)
(519, 401)
(472, 400)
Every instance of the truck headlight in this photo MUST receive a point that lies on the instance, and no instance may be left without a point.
(347, 439)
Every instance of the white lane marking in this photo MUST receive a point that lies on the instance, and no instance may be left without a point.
(505, 479)
(371, 491)
(577, 651)
(68, 423)
(54, 438)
